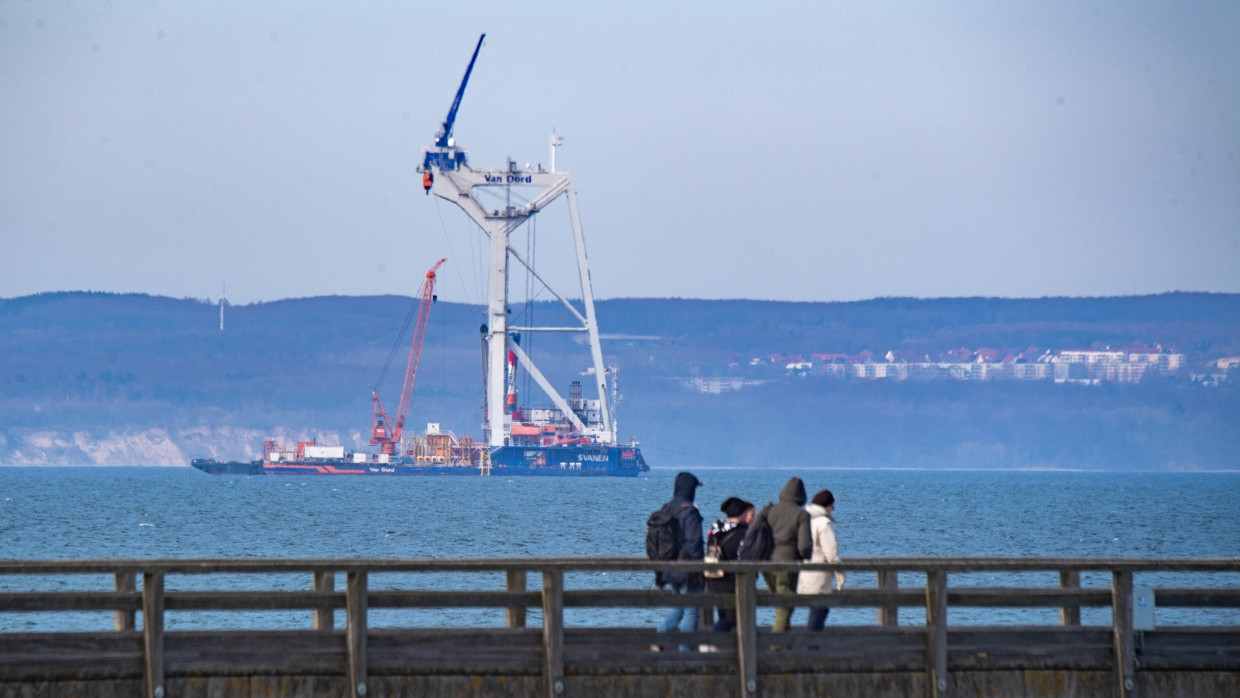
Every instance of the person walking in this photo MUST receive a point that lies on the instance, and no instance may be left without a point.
(689, 537)
(793, 541)
(824, 549)
(727, 533)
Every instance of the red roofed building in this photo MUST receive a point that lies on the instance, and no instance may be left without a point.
(986, 355)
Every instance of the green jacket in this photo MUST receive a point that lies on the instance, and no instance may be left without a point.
(790, 524)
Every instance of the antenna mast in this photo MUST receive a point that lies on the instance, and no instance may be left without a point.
(556, 142)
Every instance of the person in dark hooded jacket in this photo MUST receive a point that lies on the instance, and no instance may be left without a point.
(793, 543)
(690, 536)
(727, 533)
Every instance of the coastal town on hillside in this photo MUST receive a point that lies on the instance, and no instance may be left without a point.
(1065, 366)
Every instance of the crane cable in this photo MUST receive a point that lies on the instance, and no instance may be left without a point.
(413, 311)
(443, 227)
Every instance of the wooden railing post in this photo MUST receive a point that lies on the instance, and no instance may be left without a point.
(888, 611)
(553, 632)
(1069, 615)
(355, 631)
(1121, 623)
(514, 616)
(126, 583)
(324, 618)
(747, 632)
(936, 633)
(153, 633)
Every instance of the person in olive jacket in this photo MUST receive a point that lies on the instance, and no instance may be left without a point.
(793, 543)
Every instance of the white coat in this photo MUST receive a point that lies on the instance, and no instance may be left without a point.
(824, 550)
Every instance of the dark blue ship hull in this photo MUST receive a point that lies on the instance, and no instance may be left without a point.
(570, 461)
(586, 460)
(215, 467)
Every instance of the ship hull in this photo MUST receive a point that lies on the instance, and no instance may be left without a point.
(343, 467)
(572, 461)
(215, 467)
(546, 461)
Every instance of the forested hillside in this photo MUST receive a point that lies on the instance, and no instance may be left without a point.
(133, 379)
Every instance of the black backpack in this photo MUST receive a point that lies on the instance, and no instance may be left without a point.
(663, 538)
(663, 534)
(759, 540)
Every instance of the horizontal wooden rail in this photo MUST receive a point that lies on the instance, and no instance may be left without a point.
(1198, 598)
(70, 601)
(579, 564)
(555, 656)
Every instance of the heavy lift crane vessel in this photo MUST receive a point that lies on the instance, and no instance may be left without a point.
(447, 174)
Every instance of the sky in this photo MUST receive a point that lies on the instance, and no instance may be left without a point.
(802, 151)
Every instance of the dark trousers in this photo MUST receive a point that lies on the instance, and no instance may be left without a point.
(726, 621)
(818, 618)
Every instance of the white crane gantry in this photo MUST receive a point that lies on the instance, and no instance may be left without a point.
(447, 175)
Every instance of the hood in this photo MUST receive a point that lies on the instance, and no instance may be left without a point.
(686, 486)
(816, 511)
(793, 491)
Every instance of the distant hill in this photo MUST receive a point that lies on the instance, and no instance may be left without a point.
(135, 379)
(1203, 325)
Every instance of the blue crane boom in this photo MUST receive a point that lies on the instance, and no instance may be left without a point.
(446, 133)
(444, 155)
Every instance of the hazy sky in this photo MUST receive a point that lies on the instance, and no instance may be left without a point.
(778, 150)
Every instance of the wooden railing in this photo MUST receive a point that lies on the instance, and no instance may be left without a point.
(929, 657)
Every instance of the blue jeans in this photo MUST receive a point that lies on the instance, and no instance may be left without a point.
(686, 618)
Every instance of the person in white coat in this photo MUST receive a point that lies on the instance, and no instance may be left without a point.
(825, 549)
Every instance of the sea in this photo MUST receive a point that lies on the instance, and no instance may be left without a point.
(170, 512)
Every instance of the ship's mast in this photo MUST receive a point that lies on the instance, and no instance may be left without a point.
(556, 142)
(452, 179)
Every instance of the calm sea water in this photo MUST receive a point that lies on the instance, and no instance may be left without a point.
(76, 513)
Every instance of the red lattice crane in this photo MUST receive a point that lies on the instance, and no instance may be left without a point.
(384, 431)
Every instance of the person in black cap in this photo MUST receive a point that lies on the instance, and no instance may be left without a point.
(726, 535)
(690, 537)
